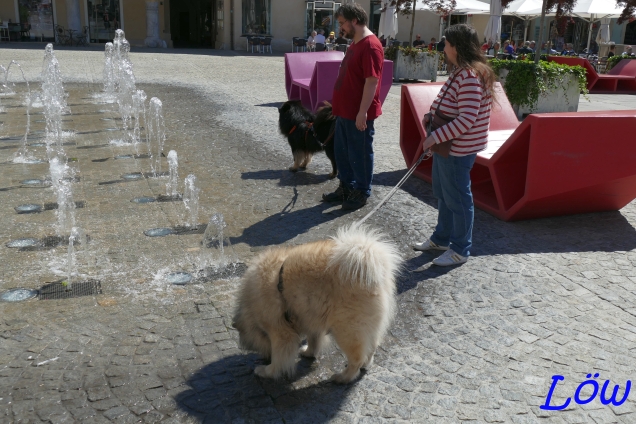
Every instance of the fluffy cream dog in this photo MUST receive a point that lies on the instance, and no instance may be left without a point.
(344, 286)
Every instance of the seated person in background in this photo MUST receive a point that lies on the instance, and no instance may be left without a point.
(508, 49)
(332, 38)
(569, 50)
(341, 39)
(441, 44)
(533, 46)
(432, 44)
(485, 47)
(311, 41)
(628, 51)
(612, 51)
(494, 50)
(418, 41)
(547, 48)
(320, 37)
(525, 49)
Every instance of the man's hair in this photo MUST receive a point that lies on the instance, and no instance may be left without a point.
(351, 11)
(418, 36)
(527, 44)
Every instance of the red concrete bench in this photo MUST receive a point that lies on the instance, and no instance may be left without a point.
(625, 67)
(600, 83)
(299, 67)
(318, 86)
(551, 164)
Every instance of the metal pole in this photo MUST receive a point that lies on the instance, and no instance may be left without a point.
(589, 33)
(537, 56)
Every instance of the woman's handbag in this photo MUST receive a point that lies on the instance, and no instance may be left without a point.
(437, 120)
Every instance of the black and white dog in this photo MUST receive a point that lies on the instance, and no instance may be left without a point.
(308, 134)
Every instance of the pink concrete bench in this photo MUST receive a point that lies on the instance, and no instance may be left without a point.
(300, 67)
(625, 67)
(600, 83)
(551, 164)
(317, 88)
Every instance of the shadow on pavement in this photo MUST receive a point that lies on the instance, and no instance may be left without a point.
(284, 226)
(227, 391)
(273, 104)
(286, 178)
(590, 232)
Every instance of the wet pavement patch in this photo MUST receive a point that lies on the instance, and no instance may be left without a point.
(28, 208)
(144, 200)
(229, 271)
(133, 176)
(179, 278)
(93, 146)
(183, 230)
(159, 232)
(36, 182)
(23, 242)
(18, 295)
(61, 290)
(164, 198)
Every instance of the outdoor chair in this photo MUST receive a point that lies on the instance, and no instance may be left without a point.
(405, 44)
(601, 66)
(25, 30)
(396, 43)
(320, 47)
(266, 44)
(81, 39)
(342, 47)
(301, 43)
(253, 41)
(61, 37)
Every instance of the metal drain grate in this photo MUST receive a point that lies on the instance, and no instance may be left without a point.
(224, 273)
(58, 290)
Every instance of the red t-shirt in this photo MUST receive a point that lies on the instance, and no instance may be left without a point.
(364, 59)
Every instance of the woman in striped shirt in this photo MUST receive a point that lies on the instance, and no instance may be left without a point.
(466, 99)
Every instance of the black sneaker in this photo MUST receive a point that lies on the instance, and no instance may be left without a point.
(356, 200)
(339, 195)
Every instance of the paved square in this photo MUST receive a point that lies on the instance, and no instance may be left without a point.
(477, 343)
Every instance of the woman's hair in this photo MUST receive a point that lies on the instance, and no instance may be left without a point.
(469, 54)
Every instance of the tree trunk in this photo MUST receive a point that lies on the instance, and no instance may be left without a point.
(412, 24)
(537, 53)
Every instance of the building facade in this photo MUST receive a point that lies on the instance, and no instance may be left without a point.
(216, 24)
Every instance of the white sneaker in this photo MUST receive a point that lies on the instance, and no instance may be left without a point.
(428, 245)
(449, 258)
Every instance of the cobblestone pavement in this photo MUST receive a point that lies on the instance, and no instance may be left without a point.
(476, 343)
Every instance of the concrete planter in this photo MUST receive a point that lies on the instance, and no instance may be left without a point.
(564, 99)
(421, 67)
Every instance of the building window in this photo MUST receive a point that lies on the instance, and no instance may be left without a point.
(257, 16)
(36, 20)
(104, 18)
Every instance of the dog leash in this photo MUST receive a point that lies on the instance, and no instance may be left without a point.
(424, 156)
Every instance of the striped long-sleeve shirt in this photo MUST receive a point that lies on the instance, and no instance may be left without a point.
(470, 105)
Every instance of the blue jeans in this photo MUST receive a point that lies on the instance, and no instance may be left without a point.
(354, 155)
(456, 211)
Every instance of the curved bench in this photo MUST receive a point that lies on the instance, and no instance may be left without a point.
(599, 83)
(551, 164)
(317, 87)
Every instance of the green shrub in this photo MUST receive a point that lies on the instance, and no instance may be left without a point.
(526, 80)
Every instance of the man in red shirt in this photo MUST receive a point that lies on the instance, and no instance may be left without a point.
(356, 104)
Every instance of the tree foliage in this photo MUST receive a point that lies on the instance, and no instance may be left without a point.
(629, 10)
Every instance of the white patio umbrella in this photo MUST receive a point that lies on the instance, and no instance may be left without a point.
(591, 11)
(603, 35)
(463, 7)
(388, 21)
(493, 29)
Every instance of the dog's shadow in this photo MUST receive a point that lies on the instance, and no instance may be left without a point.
(228, 391)
(287, 178)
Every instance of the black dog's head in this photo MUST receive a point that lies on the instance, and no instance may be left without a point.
(292, 114)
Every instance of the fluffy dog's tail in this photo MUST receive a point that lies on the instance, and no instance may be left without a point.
(364, 257)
